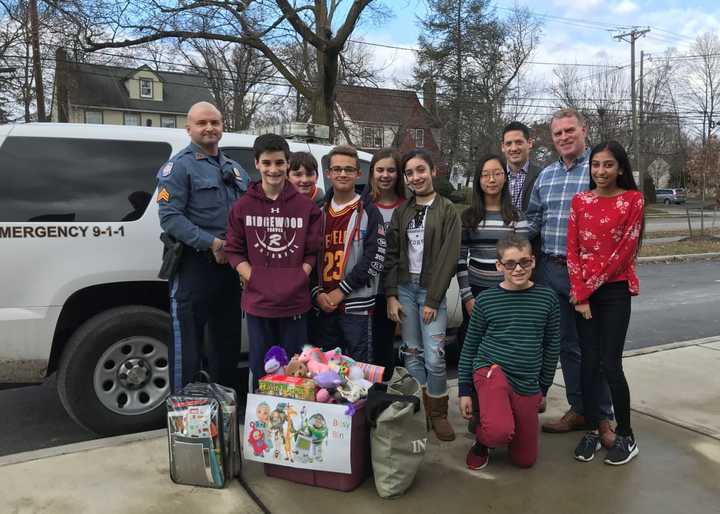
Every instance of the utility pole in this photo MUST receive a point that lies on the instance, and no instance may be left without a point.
(641, 121)
(631, 37)
(35, 41)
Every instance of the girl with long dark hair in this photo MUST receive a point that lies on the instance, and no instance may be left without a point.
(387, 191)
(423, 242)
(604, 234)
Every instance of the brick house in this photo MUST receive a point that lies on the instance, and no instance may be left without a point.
(372, 118)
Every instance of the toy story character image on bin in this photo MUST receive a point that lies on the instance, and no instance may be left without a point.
(277, 427)
(317, 428)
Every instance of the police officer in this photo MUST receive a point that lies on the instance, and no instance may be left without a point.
(196, 189)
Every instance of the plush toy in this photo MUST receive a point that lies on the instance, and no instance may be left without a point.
(351, 392)
(323, 396)
(327, 380)
(275, 361)
(297, 368)
(315, 360)
(356, 376)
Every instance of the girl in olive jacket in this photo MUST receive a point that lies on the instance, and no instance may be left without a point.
(423, 249)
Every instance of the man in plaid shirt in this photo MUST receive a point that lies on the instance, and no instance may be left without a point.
(547, 216)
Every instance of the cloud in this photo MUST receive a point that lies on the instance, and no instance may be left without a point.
(624, 7)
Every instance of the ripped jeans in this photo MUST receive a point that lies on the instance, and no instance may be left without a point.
(423, 345)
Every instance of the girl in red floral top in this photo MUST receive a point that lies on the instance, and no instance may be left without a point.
(604, 233)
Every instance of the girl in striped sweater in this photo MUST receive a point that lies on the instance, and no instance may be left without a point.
(490, 217)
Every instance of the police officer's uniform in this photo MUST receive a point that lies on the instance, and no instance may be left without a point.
(195, 194)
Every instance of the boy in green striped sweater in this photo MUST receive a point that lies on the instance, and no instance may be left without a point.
(509, 356)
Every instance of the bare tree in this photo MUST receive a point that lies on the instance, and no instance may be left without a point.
(239, 77)
(263, 25)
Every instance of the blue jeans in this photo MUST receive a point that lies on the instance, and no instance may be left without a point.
(350, 332)
(555, 275)
(423, 345)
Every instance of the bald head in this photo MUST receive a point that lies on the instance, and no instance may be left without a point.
(205, 126)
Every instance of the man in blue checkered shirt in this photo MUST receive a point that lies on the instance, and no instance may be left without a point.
(547, 216)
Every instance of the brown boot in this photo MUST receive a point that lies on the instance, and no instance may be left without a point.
(438, 418)
(607, 434)
(570, 421)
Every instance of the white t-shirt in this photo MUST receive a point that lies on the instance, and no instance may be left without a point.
(416, 240)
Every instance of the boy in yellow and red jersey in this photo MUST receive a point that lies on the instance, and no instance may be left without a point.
(352, 258)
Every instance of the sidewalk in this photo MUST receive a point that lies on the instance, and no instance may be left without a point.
(676, 401)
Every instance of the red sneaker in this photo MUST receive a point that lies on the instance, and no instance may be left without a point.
(477, 457)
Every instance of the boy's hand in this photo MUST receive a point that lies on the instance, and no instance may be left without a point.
(323, 301)
(469, 306)
(584, 310)
(466, 407)
(336, 297)
(394, 309)
(429, 314)
(244, 270)
(307, 268)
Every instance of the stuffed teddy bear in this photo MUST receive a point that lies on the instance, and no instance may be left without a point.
(297, 368)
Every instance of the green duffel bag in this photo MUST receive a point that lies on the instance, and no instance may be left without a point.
(398, 433)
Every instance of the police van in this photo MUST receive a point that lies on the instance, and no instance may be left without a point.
(80, 253)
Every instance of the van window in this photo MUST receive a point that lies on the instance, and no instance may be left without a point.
(77, 180)
(245, 158)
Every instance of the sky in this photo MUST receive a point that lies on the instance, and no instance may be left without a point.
(574, 31)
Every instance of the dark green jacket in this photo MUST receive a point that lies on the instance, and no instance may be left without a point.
(440, 253)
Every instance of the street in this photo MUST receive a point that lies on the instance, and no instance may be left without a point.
(677, 302)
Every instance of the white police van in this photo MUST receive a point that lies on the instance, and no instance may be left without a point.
(80, 252)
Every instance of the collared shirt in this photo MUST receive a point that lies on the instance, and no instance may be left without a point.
(195, 194)
(517, 182)
(551, 198)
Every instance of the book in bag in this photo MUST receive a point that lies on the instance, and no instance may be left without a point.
(203, 443)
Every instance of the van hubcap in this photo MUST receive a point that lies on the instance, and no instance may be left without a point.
(132, 375)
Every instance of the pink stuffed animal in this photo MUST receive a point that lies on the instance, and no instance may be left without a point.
(315, 360)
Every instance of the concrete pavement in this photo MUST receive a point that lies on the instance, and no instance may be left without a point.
(676, 403)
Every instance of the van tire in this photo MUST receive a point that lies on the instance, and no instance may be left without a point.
(118, 332)
(666, 201)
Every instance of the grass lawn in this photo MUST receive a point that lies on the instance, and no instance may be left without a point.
(681, 232)
(688, 246)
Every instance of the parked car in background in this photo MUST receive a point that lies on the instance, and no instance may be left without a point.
(668, 196)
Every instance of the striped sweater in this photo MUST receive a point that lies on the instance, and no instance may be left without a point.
(476, 265)
(517, 330)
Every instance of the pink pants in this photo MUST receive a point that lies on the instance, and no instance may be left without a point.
(507, 418)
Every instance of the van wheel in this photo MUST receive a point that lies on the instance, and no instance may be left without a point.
(114, 373)
(666, 201)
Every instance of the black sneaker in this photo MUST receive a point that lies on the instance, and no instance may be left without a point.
(588, 445)
(623, 451)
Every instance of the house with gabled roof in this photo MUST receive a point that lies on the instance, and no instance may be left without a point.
(372, 118)
(115, 95)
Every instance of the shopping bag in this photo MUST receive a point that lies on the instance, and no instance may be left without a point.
(398, 432)
(203, 441)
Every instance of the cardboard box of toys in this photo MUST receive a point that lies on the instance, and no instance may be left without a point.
(323, 442)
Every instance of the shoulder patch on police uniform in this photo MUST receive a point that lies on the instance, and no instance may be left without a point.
(167, 169)
(163, 195)
(236, 172)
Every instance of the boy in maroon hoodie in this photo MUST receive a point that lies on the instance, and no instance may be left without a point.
(273, 238)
